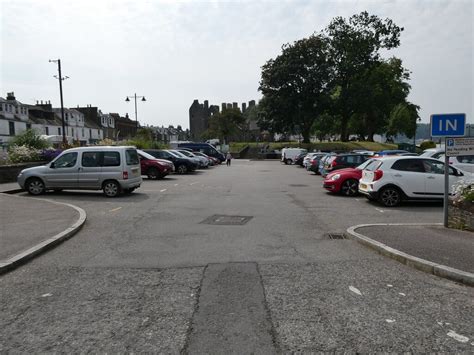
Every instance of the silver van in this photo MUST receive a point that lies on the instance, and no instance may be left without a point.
(111, 169)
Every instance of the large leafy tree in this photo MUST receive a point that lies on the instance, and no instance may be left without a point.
(225, 124)
(403, 119)
(355, 45)
(296, 87)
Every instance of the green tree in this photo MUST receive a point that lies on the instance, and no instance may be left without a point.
(223, 125)
(403, 120)
(355, 45)
(295, 86)
(31, 139)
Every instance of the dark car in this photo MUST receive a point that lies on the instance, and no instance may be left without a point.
(153, 167)
(342, 161)
(300, 158)
(181, 163)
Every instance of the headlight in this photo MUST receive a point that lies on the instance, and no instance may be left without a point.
(335, 177)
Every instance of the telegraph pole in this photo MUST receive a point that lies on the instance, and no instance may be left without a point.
(60, 78)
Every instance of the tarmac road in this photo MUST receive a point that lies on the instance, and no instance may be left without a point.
(147, 274)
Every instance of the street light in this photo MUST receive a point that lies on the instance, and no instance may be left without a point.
(60, 78)
(135, 97)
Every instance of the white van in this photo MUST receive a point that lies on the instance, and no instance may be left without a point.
(111, 169)
(288, 155)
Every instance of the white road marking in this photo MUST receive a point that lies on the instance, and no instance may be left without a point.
(390, 320)
(163, 190)
(388, 285)
(355, 290)
(458, 337)
(115, 209)
(47, 295)
(195, 182)
(176, 184)
(380, 210)
(440, 323)
(402, 294)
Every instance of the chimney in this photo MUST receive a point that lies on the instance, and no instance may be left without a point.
(244, 107)
(206, 104)
(10, 95)
(223, 106)
(235, 105)
(41, 102)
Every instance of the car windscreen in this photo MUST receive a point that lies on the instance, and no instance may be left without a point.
(177, 154)
(146, 155)
(373, 165)
(186, 153)
(364, 164)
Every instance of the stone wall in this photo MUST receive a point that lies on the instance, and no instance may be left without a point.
(8, 173)
(461, 215)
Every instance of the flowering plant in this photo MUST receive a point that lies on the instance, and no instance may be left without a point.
(49, 154)
(463, 190)
(23, 153)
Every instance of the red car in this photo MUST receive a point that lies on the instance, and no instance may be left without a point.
(154, 168)
(345, 181)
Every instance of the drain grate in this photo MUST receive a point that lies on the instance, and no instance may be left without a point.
(224, 220)
(335, 236)
(298, 185)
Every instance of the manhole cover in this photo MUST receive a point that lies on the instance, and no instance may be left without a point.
(298, 185)
(223, 220)
(335, 236)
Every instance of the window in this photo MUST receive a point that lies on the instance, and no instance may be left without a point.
(1, 107)
(111, 159)
(28, 126)
(437, 155)
(411, 165)
(67, 160)
(132, 157)
(90, 132)
(72, 132)
(433, 167)
(46, 129)
(373, 165)
(59, 131)
(83, 132)
(465, 159)
(16, 110)
(11, 126)
(90, 159)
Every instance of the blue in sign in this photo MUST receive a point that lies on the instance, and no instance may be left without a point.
(448, 125)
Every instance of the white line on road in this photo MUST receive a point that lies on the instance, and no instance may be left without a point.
(355, 290)
(390, 320)
(402, 294)
(47, 295)
(176, 184)
(163, 190)
(195, 182)
(458, 337)
(115, 209)
(380, 210)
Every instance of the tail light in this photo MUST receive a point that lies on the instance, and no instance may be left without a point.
(334, 163)
(378, 175)
(125, 175)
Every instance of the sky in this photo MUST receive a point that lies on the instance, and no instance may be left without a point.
(173, 52)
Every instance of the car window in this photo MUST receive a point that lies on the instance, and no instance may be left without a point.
(145, 155)
(90, 159)
(67, 160)
(437, 155)
(465, 159)
(433, 167)
(373, 165)
(131, 156)
(411, 165)
(353, 159)
(364, 164)
(111, 159)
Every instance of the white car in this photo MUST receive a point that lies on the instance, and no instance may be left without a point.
(463, 162)
(393, 179)
(308, 157)
(288, 155)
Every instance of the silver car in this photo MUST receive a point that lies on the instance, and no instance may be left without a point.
(111, 169)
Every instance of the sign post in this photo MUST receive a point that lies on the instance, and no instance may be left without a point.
(447, 125)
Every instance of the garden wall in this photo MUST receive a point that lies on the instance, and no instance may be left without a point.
(8, 173)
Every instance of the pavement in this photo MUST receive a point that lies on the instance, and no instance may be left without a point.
(29, 226)
(41, 224)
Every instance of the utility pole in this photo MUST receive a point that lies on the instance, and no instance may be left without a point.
(135, 97)
(60, 78)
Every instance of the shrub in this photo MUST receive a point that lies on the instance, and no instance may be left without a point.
(427, 145)
(106, 141)
(30, 138)
(22, 154)
(49, 154)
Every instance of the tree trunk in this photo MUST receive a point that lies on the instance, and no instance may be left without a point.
(305, 133)
(370, 137)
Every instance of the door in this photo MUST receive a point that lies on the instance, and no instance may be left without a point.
(90, 170)
(434, 184)
(409, 175)
(63, 172)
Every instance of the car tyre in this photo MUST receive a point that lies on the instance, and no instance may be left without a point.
(153, 173)
(390, 196)
(111, 188)
(288, 161)
(182, 169)
(350, 187)
(35, 186)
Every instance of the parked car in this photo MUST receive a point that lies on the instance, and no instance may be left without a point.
(463, 162)
(322, 162)
(433, 152)
(394, 179)
(342, 161)
(205, 148)
(111, 169)
(288, 155)
(300, 158)
(182, 164)
(210, 161)
(313, 163)
(345, 181)
(154, 168)
(307, 158)
(201, 161)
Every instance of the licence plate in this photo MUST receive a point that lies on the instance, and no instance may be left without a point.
(362, 186)
(135, 171)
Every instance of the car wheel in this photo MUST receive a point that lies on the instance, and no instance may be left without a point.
(350, 187)
(390, 196)
(182, 169)
(111, 188)
(288, 161)
(153, 173)
(35, 186)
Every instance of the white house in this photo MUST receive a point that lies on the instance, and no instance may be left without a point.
(13, 118)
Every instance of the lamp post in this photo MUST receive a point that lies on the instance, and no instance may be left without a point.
(135, 97)
(60, 78)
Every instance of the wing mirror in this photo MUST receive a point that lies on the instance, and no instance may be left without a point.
(52, 165)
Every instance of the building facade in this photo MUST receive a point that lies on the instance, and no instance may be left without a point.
(13, 118)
